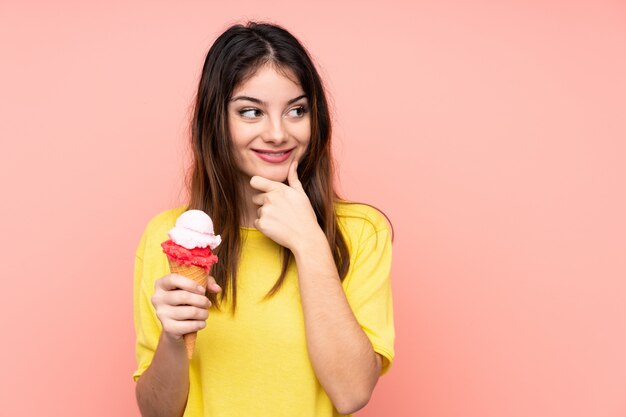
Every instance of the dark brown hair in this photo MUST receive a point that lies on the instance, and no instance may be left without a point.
(215, 181)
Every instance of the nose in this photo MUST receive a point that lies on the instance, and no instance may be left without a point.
(275, 131)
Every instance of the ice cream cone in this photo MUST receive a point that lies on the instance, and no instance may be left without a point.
(189, 252)
(198, 275)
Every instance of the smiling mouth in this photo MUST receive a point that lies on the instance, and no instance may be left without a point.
(273, 153)
(273, 156)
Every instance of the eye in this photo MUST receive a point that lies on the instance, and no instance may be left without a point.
(250, 113)
(298, 111)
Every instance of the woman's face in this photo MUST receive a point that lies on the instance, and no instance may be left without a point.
(269, 122)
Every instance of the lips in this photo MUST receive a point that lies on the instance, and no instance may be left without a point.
(273, 156)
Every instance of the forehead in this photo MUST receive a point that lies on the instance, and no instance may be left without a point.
(269, 83)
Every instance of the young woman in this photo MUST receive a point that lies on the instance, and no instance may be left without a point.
(297, 317)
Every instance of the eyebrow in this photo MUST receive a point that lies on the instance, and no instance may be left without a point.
(256, 100)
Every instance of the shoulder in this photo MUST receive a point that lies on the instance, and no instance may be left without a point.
(360, 219)
(163, 221)
(156, 230)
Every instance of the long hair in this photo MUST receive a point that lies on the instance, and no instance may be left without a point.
(214, 181)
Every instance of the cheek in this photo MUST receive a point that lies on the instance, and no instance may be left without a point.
(302, 131)
(241, 133)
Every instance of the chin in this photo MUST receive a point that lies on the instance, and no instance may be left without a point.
(277, 178)
(278, 174)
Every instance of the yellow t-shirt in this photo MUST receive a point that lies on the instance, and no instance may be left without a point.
(256, 364)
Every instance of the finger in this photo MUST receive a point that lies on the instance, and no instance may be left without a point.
(174, 281)
(263, 184)
(188, 313)
(259, 199)
(185, 298)
(292, 177)
(212, 285)
(181, 327)
(188, 284)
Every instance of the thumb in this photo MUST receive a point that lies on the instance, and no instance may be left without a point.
(292, 177)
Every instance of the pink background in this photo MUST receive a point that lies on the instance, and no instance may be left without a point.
(492, 134)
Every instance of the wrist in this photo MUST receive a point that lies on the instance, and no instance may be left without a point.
(312, 243)
(172, 341)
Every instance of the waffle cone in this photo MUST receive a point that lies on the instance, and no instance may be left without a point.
(199, 276)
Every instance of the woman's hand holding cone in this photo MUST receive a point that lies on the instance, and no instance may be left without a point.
(181, 304)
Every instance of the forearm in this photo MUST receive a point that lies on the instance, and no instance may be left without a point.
(163, 388)
(341, 354)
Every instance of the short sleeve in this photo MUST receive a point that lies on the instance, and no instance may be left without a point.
(368, 290)
(147, 325)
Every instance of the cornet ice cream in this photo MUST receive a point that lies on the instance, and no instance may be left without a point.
(189, 252)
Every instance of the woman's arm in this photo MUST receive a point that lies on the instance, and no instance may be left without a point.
(341, 354)
(182, 307)
(162, 389)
